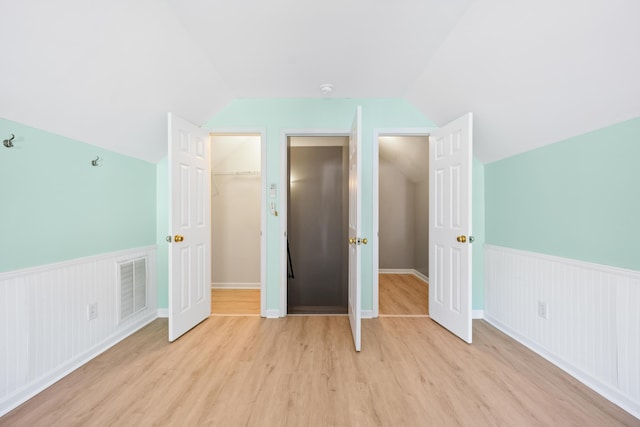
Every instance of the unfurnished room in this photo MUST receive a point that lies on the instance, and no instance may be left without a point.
(285, 213)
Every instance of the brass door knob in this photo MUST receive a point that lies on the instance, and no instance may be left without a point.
(364, 241)
(461, 239)
(178, 238)
(352, 240)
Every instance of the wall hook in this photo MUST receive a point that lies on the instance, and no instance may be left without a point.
(95, 162)
(9, 142)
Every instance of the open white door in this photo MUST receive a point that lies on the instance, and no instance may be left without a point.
(450, 226)
(355, 286)
(190, 222)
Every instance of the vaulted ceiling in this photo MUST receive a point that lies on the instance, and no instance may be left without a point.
(533, 73)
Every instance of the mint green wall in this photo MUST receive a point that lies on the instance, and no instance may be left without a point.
(162, 230)
(278, 115)
(55, 206)
(579, 198)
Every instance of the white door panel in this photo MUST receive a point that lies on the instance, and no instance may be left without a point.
(355, 179)
(190, 219)
(450, 210)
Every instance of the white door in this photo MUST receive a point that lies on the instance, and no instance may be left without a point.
(355, 240)
(190, 222)
(450, 226)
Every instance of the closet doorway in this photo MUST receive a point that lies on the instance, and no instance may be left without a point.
(403, 225)
(237, 215)
(317, 225)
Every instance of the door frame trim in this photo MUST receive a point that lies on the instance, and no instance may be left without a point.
(263, 201)
(282, 199)
(377, 133)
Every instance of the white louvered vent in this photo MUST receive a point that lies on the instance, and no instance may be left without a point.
(133, 287)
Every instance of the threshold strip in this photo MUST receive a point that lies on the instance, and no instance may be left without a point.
(403, 315)
(233, 315)
(316, 315)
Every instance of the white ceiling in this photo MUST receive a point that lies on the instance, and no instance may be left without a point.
(288, 48)
(535, 72)
(532, 72)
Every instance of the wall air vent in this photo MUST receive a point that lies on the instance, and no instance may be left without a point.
(132, 289)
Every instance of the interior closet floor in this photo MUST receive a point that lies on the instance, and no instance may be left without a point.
(402, 294)
(249, 371)
(235, 301)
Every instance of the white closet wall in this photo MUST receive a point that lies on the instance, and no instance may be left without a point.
(403, 204)
(235, 211)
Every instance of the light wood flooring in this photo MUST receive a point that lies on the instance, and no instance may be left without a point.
(303, 371)
(235, 301)
(399, 295)
(402, 294)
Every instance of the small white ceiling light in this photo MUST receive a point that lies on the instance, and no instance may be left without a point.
(326, 89)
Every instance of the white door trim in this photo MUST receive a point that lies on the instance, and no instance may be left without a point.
(282, 199)
(377, 133)
(263, 203)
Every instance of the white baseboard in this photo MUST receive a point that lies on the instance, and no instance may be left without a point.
(367, 314)
(395, 271)
(404, 271)
(163, 313)
(607, 392)
(272, 314)
(420, 276)
(42, 383)
(235, 285)
(477, 314)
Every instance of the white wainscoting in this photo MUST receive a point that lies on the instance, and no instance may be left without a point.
(593, 325)
(44, 329)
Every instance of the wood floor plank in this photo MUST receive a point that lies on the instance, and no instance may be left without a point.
(235, 301)
(297, 371)
(402, 294)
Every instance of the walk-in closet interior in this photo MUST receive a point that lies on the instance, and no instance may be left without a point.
(403, 204)
(235, 212)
